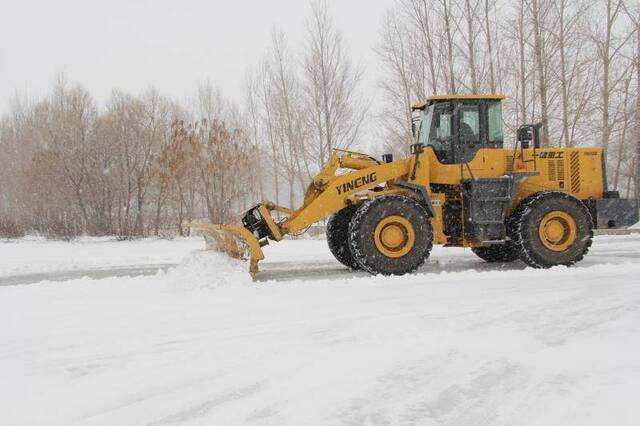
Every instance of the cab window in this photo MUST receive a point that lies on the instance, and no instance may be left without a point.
(469, 131)
(470, 123)
(494, 112)
(436, 130)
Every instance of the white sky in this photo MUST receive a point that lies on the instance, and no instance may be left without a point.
(169, 44)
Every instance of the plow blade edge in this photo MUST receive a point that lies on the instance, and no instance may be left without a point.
(234, 240)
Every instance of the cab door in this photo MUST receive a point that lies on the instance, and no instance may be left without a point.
(469, 131)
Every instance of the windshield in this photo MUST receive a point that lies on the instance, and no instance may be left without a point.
(435, 126)
(425, 124)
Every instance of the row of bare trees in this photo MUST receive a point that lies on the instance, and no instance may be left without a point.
(302, 103)
(572, 65)
(144, 165)
(138, 167)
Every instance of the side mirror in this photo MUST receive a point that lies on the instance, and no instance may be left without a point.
(414, 126)
(525, 135)
(416, 148)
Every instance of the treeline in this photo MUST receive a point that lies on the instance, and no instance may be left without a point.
(141, 165)
(138, 167)
(572, 65)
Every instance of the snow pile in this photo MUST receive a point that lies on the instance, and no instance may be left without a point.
(209, 269)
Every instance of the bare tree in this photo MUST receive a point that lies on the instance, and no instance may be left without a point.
(609, 47)
(420, 16)
(286, 98)
(539, 13)
(253, 125)
(634, 170)
(469, 13)
(636, 62)
(333, 109)
(397, 85)
(269, 122)
(225, 165)
(448, 21)
(490, 50)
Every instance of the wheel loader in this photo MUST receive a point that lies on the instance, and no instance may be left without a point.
(459, 187)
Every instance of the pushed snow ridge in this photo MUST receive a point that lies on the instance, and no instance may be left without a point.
(209, 269)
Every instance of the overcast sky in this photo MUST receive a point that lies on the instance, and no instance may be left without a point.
(135, 44)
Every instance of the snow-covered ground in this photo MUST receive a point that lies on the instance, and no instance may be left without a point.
(460, 343)
(35, 256)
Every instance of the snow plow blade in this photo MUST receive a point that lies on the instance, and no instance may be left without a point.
(234, 240)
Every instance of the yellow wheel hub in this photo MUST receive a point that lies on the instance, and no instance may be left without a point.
(557, 230)
(394, 236)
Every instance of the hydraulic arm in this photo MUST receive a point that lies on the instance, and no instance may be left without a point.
(327, 193)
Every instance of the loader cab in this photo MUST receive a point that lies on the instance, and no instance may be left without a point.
(457, 126)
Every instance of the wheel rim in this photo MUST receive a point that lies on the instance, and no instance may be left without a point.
(394, 236)
(557, 230)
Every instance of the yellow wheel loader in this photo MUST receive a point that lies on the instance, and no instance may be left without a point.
(458, 188)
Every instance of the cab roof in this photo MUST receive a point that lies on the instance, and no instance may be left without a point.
(492, 97)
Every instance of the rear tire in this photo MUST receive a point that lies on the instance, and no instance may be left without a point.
(338, 236)
(497, 253)
(551, 228)
(390, 235)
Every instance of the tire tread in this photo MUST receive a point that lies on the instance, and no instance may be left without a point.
(355, 230)
(518, 222)
(337, 231)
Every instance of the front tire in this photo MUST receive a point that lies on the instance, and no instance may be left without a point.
(390, 235)
(338, 236)
(551, 228)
